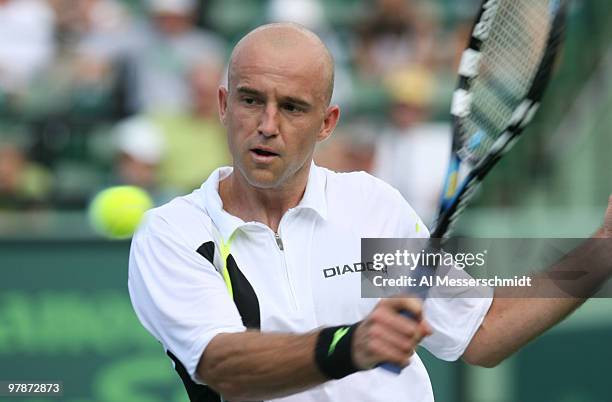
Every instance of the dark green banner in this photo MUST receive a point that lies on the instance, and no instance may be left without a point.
(65, 315)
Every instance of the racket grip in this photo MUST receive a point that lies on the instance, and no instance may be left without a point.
(394, 368)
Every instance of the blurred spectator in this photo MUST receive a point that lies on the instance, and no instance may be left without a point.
(83, 78)
(204, 80)
(83, 19)
(26, 42)
(196, 141)
(23, 183)
(395, 34)
(166, 48)
(140, 148)
(412, 153)
(351, 148)
(411, 91)
(103, 35)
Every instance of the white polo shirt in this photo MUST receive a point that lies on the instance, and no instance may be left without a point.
(283, 282)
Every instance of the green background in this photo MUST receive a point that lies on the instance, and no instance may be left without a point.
(65, 315)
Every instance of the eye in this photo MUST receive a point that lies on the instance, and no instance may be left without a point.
(290, 107)
(250, 101)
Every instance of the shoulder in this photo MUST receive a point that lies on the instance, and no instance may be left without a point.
(361, 187)
(183, 218)
(374, 203)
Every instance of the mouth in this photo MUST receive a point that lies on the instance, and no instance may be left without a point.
(263, 152)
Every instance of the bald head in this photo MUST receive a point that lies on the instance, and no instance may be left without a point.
(291, 41)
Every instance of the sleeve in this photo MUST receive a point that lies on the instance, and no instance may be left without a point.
(178, 296)
(454, 320)
(455, 314)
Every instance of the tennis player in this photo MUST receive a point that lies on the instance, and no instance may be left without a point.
(252, 282)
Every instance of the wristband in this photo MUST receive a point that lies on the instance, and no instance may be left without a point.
(333, 353)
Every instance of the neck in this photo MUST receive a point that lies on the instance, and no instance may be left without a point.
(264, 205)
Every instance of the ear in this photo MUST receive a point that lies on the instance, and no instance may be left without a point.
(332, 115)
(222, 98)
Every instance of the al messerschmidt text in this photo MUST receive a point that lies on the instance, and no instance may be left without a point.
(407, 281)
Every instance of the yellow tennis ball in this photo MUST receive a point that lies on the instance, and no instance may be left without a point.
(117, 211)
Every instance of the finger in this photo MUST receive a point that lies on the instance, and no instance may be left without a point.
(398, 329)
(383, 352)
(390, 320)
(400, 342)
(425, 329)
(410, 304)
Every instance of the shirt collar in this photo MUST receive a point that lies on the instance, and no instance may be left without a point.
(314, 198)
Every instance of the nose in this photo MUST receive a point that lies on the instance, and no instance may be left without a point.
(269, 124)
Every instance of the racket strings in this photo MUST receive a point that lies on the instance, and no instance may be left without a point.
(510, 59)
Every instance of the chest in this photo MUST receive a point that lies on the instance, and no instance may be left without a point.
(304, 276)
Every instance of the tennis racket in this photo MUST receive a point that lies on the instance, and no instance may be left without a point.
(503, 74)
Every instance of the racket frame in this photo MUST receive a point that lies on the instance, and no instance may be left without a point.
(455, 196)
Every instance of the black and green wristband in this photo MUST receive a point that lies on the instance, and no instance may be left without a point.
(333, 352)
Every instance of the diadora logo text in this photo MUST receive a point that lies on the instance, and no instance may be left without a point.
(351, 268)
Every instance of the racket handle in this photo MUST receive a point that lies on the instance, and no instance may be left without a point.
(391, 367)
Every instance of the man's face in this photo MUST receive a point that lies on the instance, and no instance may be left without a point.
(173, 23)
(275, 111)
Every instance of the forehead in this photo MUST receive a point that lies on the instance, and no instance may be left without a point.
(297, 70)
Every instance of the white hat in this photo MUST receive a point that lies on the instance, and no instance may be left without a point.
(172, 6)
(140, 139)
(308, 13)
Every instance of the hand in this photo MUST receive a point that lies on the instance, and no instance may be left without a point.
(386, 336)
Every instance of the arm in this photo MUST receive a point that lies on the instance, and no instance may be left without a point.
(254, 365)
(518, 316)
